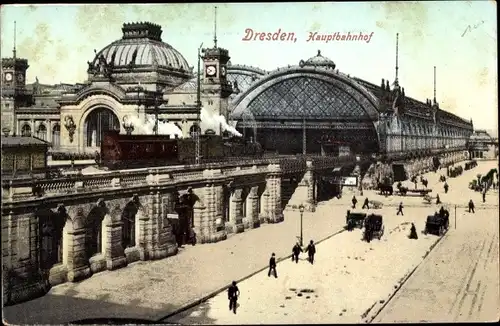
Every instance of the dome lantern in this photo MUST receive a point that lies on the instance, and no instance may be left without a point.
(141, 30)
(318, 61)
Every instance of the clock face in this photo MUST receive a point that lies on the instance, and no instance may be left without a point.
(20, 78)
(211, 71)
(8, 76)
(223, 71)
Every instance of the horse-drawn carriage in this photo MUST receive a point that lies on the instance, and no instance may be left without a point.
(470, 165)
(454, 172)
(403, 191)
(355, 219)
(437, 223)
(374, 227)
(385, 189)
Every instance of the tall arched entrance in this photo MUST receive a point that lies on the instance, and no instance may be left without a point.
(304, 110)
(96, 124)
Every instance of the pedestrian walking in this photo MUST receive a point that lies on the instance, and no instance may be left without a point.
(354, 202)
(365, 204)
(445, 187)
(471, 206)
(413, 232)
(295, 252)
(272, 266)
(438, 200)
(484, 196)
(311, 250)
(233, 293)
(400, 209)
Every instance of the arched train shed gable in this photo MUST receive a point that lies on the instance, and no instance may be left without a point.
(324, 95)
(243, 75)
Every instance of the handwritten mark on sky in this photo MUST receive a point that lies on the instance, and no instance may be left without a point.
(470, 28)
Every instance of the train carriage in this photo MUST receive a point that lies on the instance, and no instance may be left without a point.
(133, 151)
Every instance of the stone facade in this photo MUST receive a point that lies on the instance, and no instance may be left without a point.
(482, 146)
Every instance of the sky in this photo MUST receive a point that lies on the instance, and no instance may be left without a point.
(459, 38)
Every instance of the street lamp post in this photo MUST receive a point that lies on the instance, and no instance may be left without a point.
(301, 209)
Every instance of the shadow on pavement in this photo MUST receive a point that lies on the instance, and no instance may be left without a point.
(61, 309)
(197, 315)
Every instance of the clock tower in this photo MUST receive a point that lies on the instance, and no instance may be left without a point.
(14, 94)
(215, 88)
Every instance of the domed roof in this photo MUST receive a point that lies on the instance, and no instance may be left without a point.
(318, 61)
(141, 45)
(481, 135)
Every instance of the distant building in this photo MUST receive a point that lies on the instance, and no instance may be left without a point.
(482, 145)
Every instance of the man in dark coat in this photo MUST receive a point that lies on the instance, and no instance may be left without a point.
(295, 252)
(471, 206)
(311, 250)
(400, 209)
(368, 231)
(445, 187)
(365, 204)
(354, 202)
(438, 200)
(232, 293)
(272, 266)
(413, 232)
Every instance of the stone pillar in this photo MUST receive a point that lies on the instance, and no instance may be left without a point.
(76, 259)
(213, 212)
(199, 218)
(273, 183)
(308, 181)
(48, 123)
(113, 249)
(168, 206)
(264, 206)
(253, 208)
(144, 228)
(159, 241)
(236, 211)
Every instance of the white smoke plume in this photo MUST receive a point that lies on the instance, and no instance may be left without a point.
(211, 121)
(147, 126)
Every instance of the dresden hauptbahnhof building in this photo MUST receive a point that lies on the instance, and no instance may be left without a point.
(290, 110)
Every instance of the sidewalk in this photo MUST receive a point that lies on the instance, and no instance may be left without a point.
(152, 290)
(459, 282)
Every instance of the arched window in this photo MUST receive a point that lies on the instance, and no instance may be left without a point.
(56, 136)
(128, 226)
(42, 132)
(97, 123)
(94, 232)
(51, 227)
(26, 130)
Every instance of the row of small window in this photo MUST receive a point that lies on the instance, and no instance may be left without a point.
(23, 162)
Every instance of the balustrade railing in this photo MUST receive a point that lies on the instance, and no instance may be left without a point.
(107, 180)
